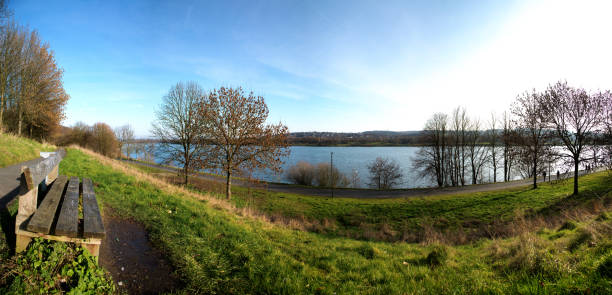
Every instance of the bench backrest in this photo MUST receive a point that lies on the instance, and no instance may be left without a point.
(44, 172)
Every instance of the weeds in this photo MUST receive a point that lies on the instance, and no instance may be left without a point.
(54, 267)
(437, 256)
(605, 268)
(568, 225)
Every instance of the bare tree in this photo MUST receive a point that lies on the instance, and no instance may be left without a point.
(456, 147)
(575, 115)
(125, 136)
(606, 158)
(477, 153)
(493, 140)
(355, 180)
(235, 127)
(178, 125)
(384, 173)
(531, 122)
(460, 126)
(430, 159)
(508, 141)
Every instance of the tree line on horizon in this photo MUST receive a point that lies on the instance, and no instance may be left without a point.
(577, 120)
(32, 96)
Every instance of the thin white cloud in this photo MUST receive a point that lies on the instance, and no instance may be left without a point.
(540, 43)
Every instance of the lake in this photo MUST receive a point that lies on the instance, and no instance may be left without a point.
(349, 159)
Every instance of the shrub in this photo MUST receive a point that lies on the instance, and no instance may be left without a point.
(98, 137)
(582, 237)
(53, 267)
(603, 216)
(437, 256)
(568, 225)
(326, 176)
(301, 173)
(605, 268)
(530, 254)
(604, 248)
(368, 251)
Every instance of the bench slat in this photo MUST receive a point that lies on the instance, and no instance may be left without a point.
(92, 221)
(43, 217)
(68, 221)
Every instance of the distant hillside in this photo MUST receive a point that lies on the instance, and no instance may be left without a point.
(376, 137)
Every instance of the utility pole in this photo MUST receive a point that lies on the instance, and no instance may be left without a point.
(331, 173)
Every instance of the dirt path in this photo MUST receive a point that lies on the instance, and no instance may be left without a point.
(370, 193)
(136, 267)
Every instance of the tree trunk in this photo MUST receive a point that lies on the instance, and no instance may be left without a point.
(186, 172)
(575, 176)
(187, 161)
(1, 114)
(505, 164)
(535, 173)
(20, 120)
(228, 187)
(494, 170)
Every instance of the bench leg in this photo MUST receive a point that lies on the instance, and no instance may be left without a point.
(22, 243)
(93, 249)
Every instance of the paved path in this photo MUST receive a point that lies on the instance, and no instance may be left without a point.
(370, 193)
(9, 181)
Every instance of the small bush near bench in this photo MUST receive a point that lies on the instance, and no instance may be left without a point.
(53, 267)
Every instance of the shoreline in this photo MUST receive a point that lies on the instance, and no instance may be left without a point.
(364, 193)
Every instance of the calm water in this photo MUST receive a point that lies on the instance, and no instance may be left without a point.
(349, 159)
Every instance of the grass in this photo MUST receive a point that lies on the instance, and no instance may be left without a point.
(461, 217)
(217, 250)
(7, 232)
(14, 149)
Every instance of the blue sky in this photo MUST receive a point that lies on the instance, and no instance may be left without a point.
(321, 65)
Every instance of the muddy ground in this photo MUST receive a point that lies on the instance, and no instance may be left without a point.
(135, 265)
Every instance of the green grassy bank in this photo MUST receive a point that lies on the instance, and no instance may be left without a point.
(217, 251)
(14, 149)
(460, 217)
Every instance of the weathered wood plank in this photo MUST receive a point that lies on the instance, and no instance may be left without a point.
(68, 220)
(40, 171)
(44, 215)
(76, 240)
(92, 221)
(27, 183)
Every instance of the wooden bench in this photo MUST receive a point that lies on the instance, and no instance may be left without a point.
(57, 216)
